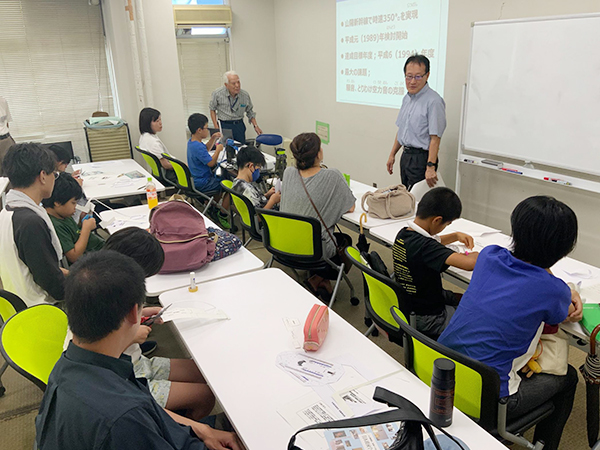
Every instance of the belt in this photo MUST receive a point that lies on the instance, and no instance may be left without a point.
(414, 150)
(4, 136)
(233, 122)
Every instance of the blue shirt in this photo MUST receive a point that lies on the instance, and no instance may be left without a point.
(421, 115)
(198, 159)
(500, 315)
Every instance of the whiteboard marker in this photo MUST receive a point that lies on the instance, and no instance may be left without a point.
(558, 181)
(471, 161)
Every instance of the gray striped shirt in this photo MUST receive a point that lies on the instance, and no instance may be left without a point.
(229, 108)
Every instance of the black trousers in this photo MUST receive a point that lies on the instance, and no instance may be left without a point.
(237, 127)
(413, 164)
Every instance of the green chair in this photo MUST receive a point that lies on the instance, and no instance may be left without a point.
(10, 304)
(477, 390)
(295, 242)
(185, 183)
(381, 293)
(156, 167)
(246, 212)
(32, 341)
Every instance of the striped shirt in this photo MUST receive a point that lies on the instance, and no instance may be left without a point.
(230, 108)
(421, 115)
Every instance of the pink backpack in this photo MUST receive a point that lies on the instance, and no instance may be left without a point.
(183, 236)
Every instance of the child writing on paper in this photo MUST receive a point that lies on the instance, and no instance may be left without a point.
(420, 256)
(61, 206)
(512, 294)
(249, 162)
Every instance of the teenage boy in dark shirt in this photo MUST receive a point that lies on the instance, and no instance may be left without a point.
(93, 399)
(420, 256)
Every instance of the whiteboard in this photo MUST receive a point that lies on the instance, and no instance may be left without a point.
(533, 91)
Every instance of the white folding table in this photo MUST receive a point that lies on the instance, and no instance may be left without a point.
(137, 216)
(237, 356)
(111, 179)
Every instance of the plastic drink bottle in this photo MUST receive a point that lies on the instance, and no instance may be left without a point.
(151, 195)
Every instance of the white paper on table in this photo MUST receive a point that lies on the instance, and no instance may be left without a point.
(294, 327)
(193, 313)
(470, 228)
(591, 294)
(581, 274)
(122, 183)
(307, 410)
(308, 370)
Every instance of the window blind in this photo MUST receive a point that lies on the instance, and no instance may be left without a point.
(53, 69)
(202, 63)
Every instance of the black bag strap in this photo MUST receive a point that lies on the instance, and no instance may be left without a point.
(406, 412)
(319, 214)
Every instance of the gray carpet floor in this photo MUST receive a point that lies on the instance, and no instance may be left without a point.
(19, 405)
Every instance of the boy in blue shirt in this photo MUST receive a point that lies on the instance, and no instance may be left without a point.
(511, 296)
(201, 164)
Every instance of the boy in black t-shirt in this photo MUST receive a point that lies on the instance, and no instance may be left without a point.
(420, 256)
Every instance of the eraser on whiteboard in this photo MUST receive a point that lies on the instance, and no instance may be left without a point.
(491, 162)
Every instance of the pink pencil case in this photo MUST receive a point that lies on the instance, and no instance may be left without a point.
(316, 327)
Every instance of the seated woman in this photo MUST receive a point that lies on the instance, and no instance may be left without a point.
(329, 192)
(249, 162)
(511, 296)
(150, 124)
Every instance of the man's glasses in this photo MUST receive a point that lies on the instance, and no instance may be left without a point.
(416, 77)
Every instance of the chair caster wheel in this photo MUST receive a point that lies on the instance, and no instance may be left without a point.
(354, 301)
(375, 332)
(368, 322)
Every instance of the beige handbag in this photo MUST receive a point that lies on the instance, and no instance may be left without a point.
(393, 202)
(555, 353)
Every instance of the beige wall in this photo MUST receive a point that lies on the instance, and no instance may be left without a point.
(164, 68)
(361, 136)
(284, 51)
(253, 58)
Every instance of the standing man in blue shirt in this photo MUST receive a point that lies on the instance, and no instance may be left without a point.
(229, 103)
(421, 123)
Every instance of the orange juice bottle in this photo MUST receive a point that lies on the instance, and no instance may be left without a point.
(151, 195)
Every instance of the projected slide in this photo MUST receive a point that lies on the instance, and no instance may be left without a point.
(374, 39)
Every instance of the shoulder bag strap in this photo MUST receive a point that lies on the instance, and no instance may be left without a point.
(317, 210)
(364, 198)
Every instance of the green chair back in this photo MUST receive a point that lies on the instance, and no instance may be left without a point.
(288, 235)
(477, 388)
(241, 206)
(32, 341)
(383, 293)
(182, 171)
(245, 209)
(152, 161)
(10, 304)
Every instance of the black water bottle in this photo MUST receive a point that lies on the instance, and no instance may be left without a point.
(441, 401)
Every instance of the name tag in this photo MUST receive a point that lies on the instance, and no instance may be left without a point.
(243, 106)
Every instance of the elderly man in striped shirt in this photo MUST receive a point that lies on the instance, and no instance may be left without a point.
(229, 103)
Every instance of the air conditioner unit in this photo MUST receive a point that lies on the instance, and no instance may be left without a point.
(187, 16)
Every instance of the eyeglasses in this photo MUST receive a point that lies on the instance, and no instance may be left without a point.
(416, 77)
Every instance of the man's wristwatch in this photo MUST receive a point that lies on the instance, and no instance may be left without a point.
(430, 164)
